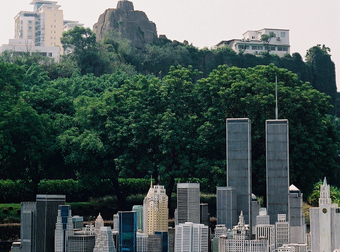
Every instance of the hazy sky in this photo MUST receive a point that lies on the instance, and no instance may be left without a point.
(207, 22)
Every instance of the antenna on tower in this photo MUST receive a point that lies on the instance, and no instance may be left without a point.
(276, 107)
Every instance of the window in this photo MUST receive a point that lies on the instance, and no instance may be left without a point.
(254, 47)
(260, 48)
(272, 48)
(283, 34)
(243, 47)
(50, 54)
(252, 37)
(30, 21)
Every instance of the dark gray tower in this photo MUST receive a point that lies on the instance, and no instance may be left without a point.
(277, 168)
(239, 164)
(46, 218)
(226, 206)
(188, 202)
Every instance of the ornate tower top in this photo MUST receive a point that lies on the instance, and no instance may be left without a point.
(325, 198)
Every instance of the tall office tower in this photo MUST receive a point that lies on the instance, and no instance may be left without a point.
(204, 214)
(46, 218)
(78, 222)
(98, 224)
(281, 231)
(155, 210)
(154, 243)
(127, 231)
(264, 230)
(104, 241)
(255, 211)
(238, 150)
(226, 204)
(164, 241)
(297, 232)
(142, 242)
(27, 227)
(171, 240)
(139, 211)
(325, 222)
(63, 228)
(241, 230)
(115, 222)
(191, 237)
(188, 202)
(277, 168)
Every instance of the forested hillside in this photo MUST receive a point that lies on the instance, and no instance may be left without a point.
(110, 111)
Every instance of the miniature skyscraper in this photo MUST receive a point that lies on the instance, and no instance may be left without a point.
(104, 241)
(155, 210)
(46, 218)
(325, 222)
(63, 229)
(226, 206)
(28, 220)
(238, 150)
(277, 168)
(127, 231)
(297, 232)
(188, 202)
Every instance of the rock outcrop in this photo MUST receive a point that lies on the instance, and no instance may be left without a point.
(125, 22)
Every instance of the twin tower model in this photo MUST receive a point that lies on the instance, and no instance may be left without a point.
(239, 172)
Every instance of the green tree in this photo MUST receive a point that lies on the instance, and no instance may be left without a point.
(266, 38)
(323, 71)
(80, 45)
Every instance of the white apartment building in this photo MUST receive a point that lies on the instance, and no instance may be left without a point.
(281, 231)
(40, 30)
(251, 42)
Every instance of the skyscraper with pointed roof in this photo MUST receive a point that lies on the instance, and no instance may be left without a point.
(325, 222)
(155, 210)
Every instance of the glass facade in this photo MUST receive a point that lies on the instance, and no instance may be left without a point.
(127, 231)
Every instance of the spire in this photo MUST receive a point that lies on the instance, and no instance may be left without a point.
(151, 182)
(324, 181)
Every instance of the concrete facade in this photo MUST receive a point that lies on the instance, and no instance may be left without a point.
(226, 206)
(238, 151)
(188, 202)
(191, 237)
(297, 232)
(277, 168)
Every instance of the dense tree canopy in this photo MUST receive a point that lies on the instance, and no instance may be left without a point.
(93, 117)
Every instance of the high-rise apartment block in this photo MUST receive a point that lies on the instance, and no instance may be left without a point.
(238, 151)
(63, 229)
(188, 202)
(277, 168)
(191, 237)
(155, 210)
(46, 218)
(40, 30)
(325, 222)
(127, 231)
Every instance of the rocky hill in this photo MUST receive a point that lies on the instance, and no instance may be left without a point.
(126, 23)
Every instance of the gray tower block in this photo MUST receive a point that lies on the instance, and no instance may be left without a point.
(277, 168)
(238, 151)
(188, 202)
(226, 206)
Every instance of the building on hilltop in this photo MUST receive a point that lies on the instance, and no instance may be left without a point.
(40, 30)
(325, 222)
(251, 42)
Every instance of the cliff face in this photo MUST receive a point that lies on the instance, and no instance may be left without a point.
(130, 24)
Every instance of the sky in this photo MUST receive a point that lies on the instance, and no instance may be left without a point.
(204, 23)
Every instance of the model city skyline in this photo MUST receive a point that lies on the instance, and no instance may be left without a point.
(242, 225)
